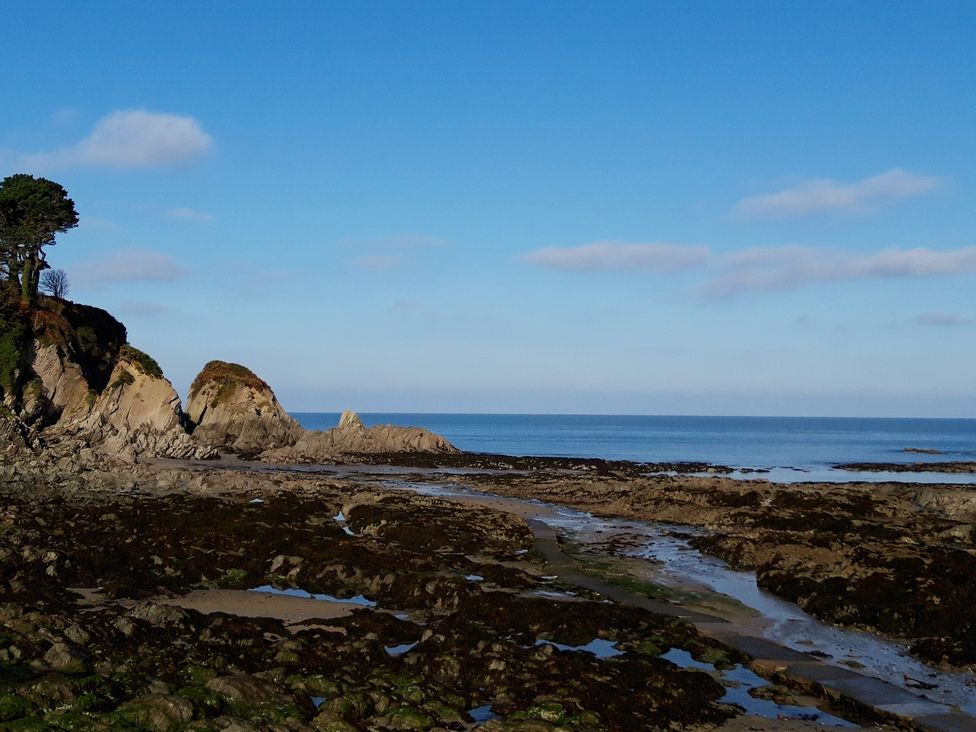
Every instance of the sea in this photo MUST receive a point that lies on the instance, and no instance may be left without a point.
(785, 448)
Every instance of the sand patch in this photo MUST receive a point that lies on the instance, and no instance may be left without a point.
(293, 611)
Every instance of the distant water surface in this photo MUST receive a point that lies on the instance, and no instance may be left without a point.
(791, 444)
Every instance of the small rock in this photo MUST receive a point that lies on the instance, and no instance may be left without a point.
(62, 657)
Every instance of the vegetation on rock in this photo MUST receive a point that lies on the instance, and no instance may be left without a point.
(15, 336)
(227, 376)
(143, 361)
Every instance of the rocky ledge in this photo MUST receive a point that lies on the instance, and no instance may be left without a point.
(70, 381)
(79, 383)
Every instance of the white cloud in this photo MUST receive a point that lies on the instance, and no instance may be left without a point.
(189, 214)
(943, 319)
(128, 265)
(827, 194)
(610, 255)
(132, 138)
(791, 266)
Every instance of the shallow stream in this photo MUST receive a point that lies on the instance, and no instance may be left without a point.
(677, 564)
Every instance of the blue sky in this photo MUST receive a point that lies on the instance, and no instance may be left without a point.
(705, 208)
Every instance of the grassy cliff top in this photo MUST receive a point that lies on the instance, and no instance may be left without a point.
(143, 361)
(227, 376)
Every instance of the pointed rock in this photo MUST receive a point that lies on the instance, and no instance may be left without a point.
(350, 420)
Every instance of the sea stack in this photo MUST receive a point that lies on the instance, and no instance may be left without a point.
(230, 408)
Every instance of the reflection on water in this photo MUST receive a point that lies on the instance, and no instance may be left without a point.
(739, 680)
(598, 647)
(681, 565)
(295, 592)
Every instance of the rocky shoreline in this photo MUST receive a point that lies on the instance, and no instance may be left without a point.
(92, 635)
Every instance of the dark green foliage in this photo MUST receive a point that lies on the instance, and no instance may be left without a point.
(15, 337)
(123, 379)
(32, 211)
(143, 361)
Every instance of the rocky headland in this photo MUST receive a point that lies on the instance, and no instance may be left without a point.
(71, 381)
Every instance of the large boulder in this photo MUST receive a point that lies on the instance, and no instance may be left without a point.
(231, 409)
(352, 437)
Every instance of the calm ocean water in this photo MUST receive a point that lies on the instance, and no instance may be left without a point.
(745, 442)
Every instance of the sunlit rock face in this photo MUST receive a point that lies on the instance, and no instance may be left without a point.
(231, 409)
(352, 437)
(137, 414)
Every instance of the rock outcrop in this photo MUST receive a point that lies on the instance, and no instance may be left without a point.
(352, 437)
(80, 386)
(137, 414)
(71, 383)
(231, 409)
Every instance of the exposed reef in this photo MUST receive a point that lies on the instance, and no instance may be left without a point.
(932, 467)
(351, 440)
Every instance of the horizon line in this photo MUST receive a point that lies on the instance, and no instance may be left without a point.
(595, 414)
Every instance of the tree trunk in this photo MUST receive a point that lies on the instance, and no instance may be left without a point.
(26, 277)
(30, 278)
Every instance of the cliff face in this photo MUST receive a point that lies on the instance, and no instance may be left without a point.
(137, 414)
(83, 383)
(230, 408)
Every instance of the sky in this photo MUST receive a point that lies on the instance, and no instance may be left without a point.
(546, 207)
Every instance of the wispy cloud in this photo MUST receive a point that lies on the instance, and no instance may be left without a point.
(143, 309)
(134, 138)
(611, 255)
(379, 261)
(395, 242)
(791, 266)
(189, 214)
(128, 265)
(826, 194)
(390, 252)
(943, 319)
